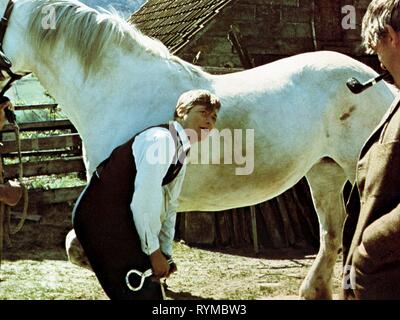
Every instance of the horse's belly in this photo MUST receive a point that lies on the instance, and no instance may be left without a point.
(214, 190)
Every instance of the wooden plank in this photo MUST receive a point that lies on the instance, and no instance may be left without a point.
(298, 235)
(199, 228)
(280, 213)
(41, 126)
(229, 223)
(236, 229)
(254, 228)
(270, 216)
(47, 153)
(222, 228)
(306, 213)
(29, 217)
(221, 70)
(36, 106)
(246, 226)
(45, 143)
(286, 209)
(58, 166)
(53, 196)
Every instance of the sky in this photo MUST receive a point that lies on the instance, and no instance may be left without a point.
(125, 7)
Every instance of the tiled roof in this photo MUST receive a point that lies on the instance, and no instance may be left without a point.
(175, 22)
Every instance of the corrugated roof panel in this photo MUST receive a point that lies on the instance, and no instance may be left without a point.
(174, 21)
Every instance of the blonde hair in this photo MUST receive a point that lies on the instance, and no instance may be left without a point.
(379, 14)
(191, 98)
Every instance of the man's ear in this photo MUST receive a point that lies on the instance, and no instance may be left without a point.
(393, 36)
(181, 111)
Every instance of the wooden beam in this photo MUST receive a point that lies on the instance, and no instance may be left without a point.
(29, 217)
(54, 195)
(45, 143)
(244, 56)
(46, 153)
(58, 166)
(41, 126)
(254, 228)
(36, 107)
(221, 70)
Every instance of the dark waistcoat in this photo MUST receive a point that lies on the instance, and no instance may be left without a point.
(104, 223)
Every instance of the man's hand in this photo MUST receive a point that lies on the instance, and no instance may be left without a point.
(4, 105)
(172, 268)
(159, 264)
(10, 192)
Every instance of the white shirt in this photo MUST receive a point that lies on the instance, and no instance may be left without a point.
(153, 205)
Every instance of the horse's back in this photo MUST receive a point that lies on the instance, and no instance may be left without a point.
(301, 111)
(310, 67)
(305, 85)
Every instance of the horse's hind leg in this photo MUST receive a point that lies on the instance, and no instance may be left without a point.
(326, 179)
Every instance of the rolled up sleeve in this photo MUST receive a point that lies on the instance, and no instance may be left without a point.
(168, 227)
(153, 151)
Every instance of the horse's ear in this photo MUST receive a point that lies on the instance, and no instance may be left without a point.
(5, 63)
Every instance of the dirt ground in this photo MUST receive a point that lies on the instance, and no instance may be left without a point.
(36, 268)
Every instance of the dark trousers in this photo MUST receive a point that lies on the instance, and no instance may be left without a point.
(109, 238)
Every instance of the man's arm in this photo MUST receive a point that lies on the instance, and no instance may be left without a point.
(153, 151)
(381, 239)
(167, 232)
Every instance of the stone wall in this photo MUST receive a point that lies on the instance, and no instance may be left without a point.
(273, 29)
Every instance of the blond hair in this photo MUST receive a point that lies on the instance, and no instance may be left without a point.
(191, 98)
(379, 14)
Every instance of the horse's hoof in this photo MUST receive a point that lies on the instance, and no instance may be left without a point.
(315, 293)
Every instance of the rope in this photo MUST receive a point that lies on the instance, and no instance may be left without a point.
(5, 212)
(20, 179)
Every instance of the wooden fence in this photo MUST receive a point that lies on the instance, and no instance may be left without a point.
(54, 153)
(286, 221)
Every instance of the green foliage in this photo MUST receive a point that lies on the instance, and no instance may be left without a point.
(55, 181)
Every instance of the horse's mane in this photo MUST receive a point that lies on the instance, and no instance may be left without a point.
(88, 33)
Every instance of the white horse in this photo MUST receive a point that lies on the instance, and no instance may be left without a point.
(112, 81)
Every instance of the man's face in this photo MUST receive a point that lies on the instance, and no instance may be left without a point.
(200, 120)
(388, 53)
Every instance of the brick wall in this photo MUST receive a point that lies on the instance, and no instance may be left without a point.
(273, 29)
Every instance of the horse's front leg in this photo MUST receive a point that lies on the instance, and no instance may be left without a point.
(326, 180)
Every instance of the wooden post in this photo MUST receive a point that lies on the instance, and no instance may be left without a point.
(244, 56)
(254, 228)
